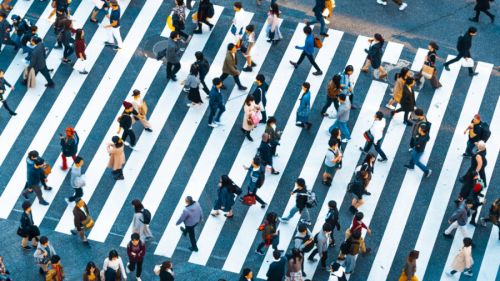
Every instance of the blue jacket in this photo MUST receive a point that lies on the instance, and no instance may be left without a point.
(30, 167)
(308, 47)
(224, 199)
(276, 271)
(304, 108)
(253, 176)
(216, 99)
(35, 177)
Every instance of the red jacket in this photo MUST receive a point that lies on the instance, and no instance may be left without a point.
(139, 251)
(80, 48)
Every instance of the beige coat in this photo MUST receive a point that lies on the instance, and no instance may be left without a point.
(463, 259)
(397, 93)
(230, 63)
(249, 109)
(142, 108)
(116, 157)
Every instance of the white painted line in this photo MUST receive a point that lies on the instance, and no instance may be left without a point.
(451, 167)
(178, 147)
(419, 60)
(491, 263)
(213, 225)
(291, 133)
(492, 148)
(392, 52)
(402, 206)
(166, 31)
(28, 103)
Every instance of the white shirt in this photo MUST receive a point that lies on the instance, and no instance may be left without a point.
(377, 129)
(239, 19)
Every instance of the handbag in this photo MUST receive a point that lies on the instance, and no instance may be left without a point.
(467, 62)
(317, 43)
(368, 136)
(47, 169)
(249, 199)
(427, 71)
(256, 117)
(20, 232)
(88, 223)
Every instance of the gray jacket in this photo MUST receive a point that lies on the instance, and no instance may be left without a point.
(322, 243)
(171, 53)
(344, 110)
(38, 57)
(191, 215)
(77, 181)
(460, 215)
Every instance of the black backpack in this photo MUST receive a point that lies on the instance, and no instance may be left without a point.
(485, 131)
(210, 10)
(146, 216)
(345, 247)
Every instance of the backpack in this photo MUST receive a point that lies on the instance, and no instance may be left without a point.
(210, 10)
(345, 247)
(309, 246)
(311, 199)
(485, 131)
(146, 216)
(177, 22)
(317, 42)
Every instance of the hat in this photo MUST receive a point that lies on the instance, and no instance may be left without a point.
(477, 116)
(477, 188)
(136, 93)
(127, 104)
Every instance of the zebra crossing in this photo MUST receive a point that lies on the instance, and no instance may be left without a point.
(240, 247)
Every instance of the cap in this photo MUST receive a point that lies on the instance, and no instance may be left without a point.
(127, 104)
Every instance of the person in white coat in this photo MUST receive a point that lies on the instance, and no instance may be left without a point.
(337, 272)
(463, 260)
(375, 135)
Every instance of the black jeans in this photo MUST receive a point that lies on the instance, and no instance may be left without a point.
(484, 11)
(192, 238)
(378, 148)
(68, 50)
(205, 22)
(129, 132)
(217, 112)
(172, 69)
(324, 256)
(328, 103)
(205, 88)
(45, 72)
(407, 113)
(459, 57)
(131, 267)
(78, 194)
(236, 79)
(310, 58)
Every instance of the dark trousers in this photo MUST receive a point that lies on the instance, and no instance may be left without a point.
(274, 244)
(183, 34)
(131, 267)
(129, 132)
(190, 231)
(205, 22)
(68, 50)
(469, 147)
(205, 88)
(217, 112)
(236, 79)
(484, 11)
(481, 173)
(257, 198)
(407, 113)
(45, 72)
(6, 106)
(310, 58)
(329, 102)
(36, 189)
(324, 256)
(78, 194)
(378, 148)
(459, 57)
(172, 69)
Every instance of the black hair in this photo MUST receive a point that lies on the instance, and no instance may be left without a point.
(327, 227)
(26, 205)
(419, 112)
(90, 265)
(301, 182)
(198, 55)
(33, 154)
(238, 5)
(78, 159)
(471, 30)
(467, 242)
(349, 68)
(194, 70)
(216, 81)
(261, 78)
(307, 29)
(44, 240)
(379, 115)
(302, 227)
(359, 216)
(246, 271)
(137, 205)
(55, 259)
(250, 28)
(113, 254)
(276, 254)
(230, 46)
(306, 85)
(174, 34)
(342, 97)
(135, 236)
(409, 80)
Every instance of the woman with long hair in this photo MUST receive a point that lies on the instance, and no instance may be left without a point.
(80, 47)
(397, 92)
(166, 271)
(273, 24)
(251, 117)
(91, 273)
(304, 110)
(333, 90)
(225, 197)
(192, 85)
(139, 223)
(374, 57)
(294, 271)
(66, 39)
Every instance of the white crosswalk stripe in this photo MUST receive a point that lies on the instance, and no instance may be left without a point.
(238, 248)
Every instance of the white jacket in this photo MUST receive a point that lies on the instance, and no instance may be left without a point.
(377, 129)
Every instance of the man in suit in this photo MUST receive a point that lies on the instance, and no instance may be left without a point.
(38, 60)
(216, 104)
(172, 55)
(464, 44)
(230, 67)
(276, 271)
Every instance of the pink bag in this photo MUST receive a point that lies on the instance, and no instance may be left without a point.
(256, 117)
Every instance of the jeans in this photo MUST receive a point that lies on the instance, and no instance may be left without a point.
(310, 58)
(321, 20)
(131, 267)
(329, 102)
(294, 210)
(377, 146)
(129, 132)
(349, 263)
(459, 57)
(469, 148)
(343, 129)
(236, 79)
(172, 69)
(78, 194)
(415, 160)
(213, 110)
(190, 231)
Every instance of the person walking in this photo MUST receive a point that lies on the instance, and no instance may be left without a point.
(141, 107)
(358, 187)
(246, 275)
(43, 254)
(464, 43)
(4, 273)
(459, 219)
(166, 271)
(38, 60)
(479, 162)
(113, 28)
(420, 142)
(355, 244)
(318, 8)
(270, 233)
(402, 5)
(125, 122)
(28, 230)
(375, 135)
(179, 19)
(301, 196)
(463, 260)
(216, 104)
(347, 85)
(429, 66)
(191, 216)
(65, 37)
(230, 67)
(82, 220)
(56, 273)
(307, 51)
(322, 241)
(141, 221)
(69, 146)
(192, 86)
(92, 272)
(374, 57)
(475, 196)
(332, 218)
(259, 95)
(337, 272)
(304, 109)
(256, 177)
(407, 101)
(493, 216)
(332, 162)
(420, 121)
(172, 54)
(332, 91)
(410, 267)
(81, 56)
(274, 135)
(482, 6)
(203, 68)
(237, 28)
(397, 92)
(225, 197)
(4, 83)
(35, 177)
(136, 250)
(251, 116)
(277, 268)
(5, 29)
(113, 267)
(273, 24)
(77, 180)
(342, 118)
(116, 157)
(205, 11)
(266, 154)
(294, 267)
(475, 130)
(247, 44)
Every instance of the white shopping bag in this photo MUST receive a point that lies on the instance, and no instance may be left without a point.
(467, 62)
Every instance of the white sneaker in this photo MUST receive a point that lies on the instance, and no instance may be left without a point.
(126, 268)
(344, 140)
(213, 125)
(391, 107)
(138, 279)
(381, 2)
(218, 123)
(126, 143)
(403, 6)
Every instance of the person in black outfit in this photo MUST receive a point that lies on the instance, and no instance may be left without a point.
(5, 29)
(464, 44)
(259, 96)
(420, 142)
(276, 271)
(4, 83)
(265, 153)
(28, 230)
(205, 10)
(482, 6)
(126, 123)
(332, 218)
(166, 271)
(203, 68)
(66, 39)
(38, 61)
(479, 162)
(407, 101)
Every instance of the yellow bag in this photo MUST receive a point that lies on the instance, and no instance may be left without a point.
(427, 71)
(88, 223)
(404, 278)
(195, 17)
(170, 23)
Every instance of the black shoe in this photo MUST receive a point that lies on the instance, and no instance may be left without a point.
(242, 88)
(295, 65)
(447, 235)
(197, 31)
(27, 248)
(472, 74)
(74, 232)
(466, 155)
(473, 223)
(382, 160)
(324, 34)
(258, 252)
(311, 259)
(44, 203)
(409, 123)
(148, 130)
(48, 188)
(193, 249)
(173, 78)
(409, 167)
(318, 73)
(249, 137)
(446, 67)
(84, 72)
(66, 61)
(474, 19)
(93, 21)
(40, 270)
(247, 69)
(50, 85)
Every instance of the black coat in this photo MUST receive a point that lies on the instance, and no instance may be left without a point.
(276, 271)
(203, 10)
(482, 5)
(319, 6)
(69, 146)
(38, 57)
(464, 44)
(265, 153)
(408, 99)
(375, 54)
(166, 276)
